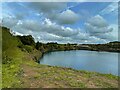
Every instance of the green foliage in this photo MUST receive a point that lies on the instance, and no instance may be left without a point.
(27, 40)
(38, 45)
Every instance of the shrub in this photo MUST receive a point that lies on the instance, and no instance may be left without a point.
(27, 40)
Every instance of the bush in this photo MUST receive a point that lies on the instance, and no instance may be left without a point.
(38, 45)
(27, 40)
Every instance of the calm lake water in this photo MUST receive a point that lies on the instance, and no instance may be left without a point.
(103, 62)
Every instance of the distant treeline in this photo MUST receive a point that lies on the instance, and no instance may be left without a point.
(54, 46)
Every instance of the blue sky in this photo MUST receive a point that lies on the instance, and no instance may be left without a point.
(66, 22)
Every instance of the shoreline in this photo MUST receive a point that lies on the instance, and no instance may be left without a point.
(77, 50)
(82, 70)
(76, 69)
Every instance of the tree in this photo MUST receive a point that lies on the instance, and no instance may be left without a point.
(27, 40)
(38, 45)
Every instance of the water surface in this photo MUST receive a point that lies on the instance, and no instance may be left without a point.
(103, 62)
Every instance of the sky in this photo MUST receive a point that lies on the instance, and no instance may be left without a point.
(63, 22)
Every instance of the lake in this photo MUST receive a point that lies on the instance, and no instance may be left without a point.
(102, 62)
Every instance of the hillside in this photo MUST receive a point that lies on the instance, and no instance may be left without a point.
(21, 70)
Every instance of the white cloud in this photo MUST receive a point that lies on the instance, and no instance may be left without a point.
(98, 21)
(68, 17)
(98, 27)
(54, 28)
(47, 7)
(16, 33)
(55, 11)
(46, 26)
(81, 36)
(48, 31)
(31, 24)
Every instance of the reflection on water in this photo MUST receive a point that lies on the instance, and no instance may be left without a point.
(103, 62)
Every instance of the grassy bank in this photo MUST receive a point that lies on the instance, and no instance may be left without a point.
(21, 70)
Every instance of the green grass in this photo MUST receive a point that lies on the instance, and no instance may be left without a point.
(55, 76)
(11, 71)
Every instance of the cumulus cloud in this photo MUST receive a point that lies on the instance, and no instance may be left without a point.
(98, 21)
(98, 27)
(49, 27)
(68, 17)
(31, 24)
(48, 37)
(49, 31)
(47, 7)
(55, 11)
(58, 29)
(97, 24)
(81, 36)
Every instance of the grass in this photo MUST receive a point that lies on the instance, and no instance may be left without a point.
(10, 75)
(53, 76)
